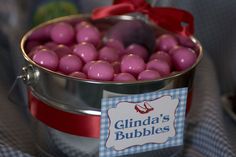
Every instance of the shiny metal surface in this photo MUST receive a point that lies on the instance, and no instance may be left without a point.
(29, 74)
(84, 96)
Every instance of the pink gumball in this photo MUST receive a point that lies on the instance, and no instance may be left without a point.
(87, 65)
(132, 64)
(31, 54)
(62, 50)
(86, 51)
(51, 45)
(108, 54)
(39, 47)
(31, 44)
(149, 75)
(185, 41)
(35, 49)
(62, 33)
(69, 64)
(101, 70)
(78, 74)
(116, 44)
(159, 65)
(124, 77)
(116, 67)
(173, 50)
(166, 42)
(88, 34)
(137, 50)
(188, 42)
(161, 55)
(81, 24)
(183, 58)
(46, 58)
(41, 34)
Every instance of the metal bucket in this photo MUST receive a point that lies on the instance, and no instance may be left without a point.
(83, 97)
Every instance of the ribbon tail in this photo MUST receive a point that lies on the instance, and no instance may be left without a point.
(175, 20)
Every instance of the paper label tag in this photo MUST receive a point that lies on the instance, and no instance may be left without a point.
(144, 122)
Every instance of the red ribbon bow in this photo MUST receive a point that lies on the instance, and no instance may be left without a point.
(172, 19)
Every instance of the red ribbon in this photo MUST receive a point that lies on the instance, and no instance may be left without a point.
(75, 124)
(172, 19)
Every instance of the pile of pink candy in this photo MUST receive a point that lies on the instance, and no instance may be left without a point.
(80, 51)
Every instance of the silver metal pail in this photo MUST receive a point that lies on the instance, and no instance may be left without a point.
(70, 96)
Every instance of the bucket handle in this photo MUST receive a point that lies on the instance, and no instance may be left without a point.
(28, 75)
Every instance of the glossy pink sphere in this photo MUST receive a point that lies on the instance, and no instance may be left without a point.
(51, 45)
(132, 64)
(137, 50)
(185, 41)
(81, 24)
(35, 49)
(116, 44)
(39, 47)
(41, 34)
(62, 50)
(188, 42)
(31, 54)
(46, 58)
(88, 34)
(124, 77)
(108, 54)
(69, 64)
(149, 75)
(62, 33)
(159, 65)
(31, 44)
(101, 70)
(116, 67)
(86, 51)
(166, 42)
(86, 66)
(161, 55)
(78, 74)
(183, 58)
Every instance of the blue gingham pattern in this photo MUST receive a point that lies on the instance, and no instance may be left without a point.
(107, 103)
